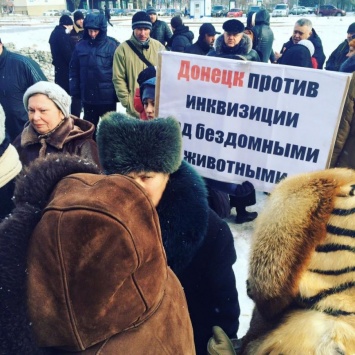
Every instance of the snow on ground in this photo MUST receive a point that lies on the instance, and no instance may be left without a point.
(34, 32)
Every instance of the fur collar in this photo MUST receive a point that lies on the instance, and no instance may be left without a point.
(183, 213)
(243, 48)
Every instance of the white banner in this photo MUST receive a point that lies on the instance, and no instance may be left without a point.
(251, 121)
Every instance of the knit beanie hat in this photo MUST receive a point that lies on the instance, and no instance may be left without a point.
(54, 92)
(2, 124)
(141, 20)
(147, 89)
(78, 15)
(65, 20)
(176, 22)
(307, 43)
(129, 145)
(151, 10)
(351, 28)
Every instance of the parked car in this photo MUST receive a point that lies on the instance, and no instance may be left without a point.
(280, 10)
(235, 13)
(65, 12)
(310, 10)
(219, 11)
(298, 10)
(117, 12)
(329, 10)
(172, 12)
(51, 13)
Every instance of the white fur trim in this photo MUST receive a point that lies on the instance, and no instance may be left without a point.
(10, 165)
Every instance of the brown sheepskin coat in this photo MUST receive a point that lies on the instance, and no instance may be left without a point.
(302, 268)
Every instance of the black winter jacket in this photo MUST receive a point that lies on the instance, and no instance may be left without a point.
(200, 47)
(297, 56)
(200, 250)
(338, 57)
(17, 74)
(181, 39)
(61, 49)
(91, 65)
(348, 66)
(161, 32)
(263, 35)
(318, 48)
(242, 51)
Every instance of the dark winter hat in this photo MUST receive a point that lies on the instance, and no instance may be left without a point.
(351, 28)
(141, 20)
(233, 26)
(151, 10)
(208, 29)
(145, 74)
(78, 15)
(147, 89)
(129, 145)
(65, 20)
(54, 92)
(176, 22)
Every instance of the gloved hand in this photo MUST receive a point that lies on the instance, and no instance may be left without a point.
(220, 344)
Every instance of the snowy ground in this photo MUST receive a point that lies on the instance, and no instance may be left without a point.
(34, 32)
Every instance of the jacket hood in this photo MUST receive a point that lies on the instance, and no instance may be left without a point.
(98, 22)
(184, 31)
(107, 279)
(243, 48)
(72, 128)
(262, 17)
(183, 213)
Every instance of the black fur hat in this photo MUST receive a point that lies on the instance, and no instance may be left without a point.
(130, 145)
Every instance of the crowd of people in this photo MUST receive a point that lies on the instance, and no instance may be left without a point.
(112, 242)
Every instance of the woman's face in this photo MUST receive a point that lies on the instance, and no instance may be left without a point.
(153, 183)
(149, 108)
(351, 52)
(43, 113)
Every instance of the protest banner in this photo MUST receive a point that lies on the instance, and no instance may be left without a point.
(251, 121)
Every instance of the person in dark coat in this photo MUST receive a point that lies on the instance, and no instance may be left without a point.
(263, 35)
(205, 41)
(61, 49)
(198, 244)
(17, 74)
(77, 33)
(108, 15)
(160, 29)
(234, 43)
(91, 69)
(348, 66)
(182, 37)
(339, 55)
(297, 55)
(51, 128)
(10, 167)
(304, 30)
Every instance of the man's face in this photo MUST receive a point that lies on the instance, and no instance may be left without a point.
(142, 34)
(93, 33)
(349, 36)
(209, 39)
(300, 32)
(153, 17)
(80, 23)
(232, 39)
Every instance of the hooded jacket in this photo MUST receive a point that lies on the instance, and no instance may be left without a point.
(161, 32)
(17, 74)
(301, 274)
(61, 49)
(91, 64)
(318, 48)
(127, 66)
(242, 51)
(298, 56)
(200, 250)
(120, 297)
(181, 39)
(338, 56)
(263, 35)
(73, 136)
